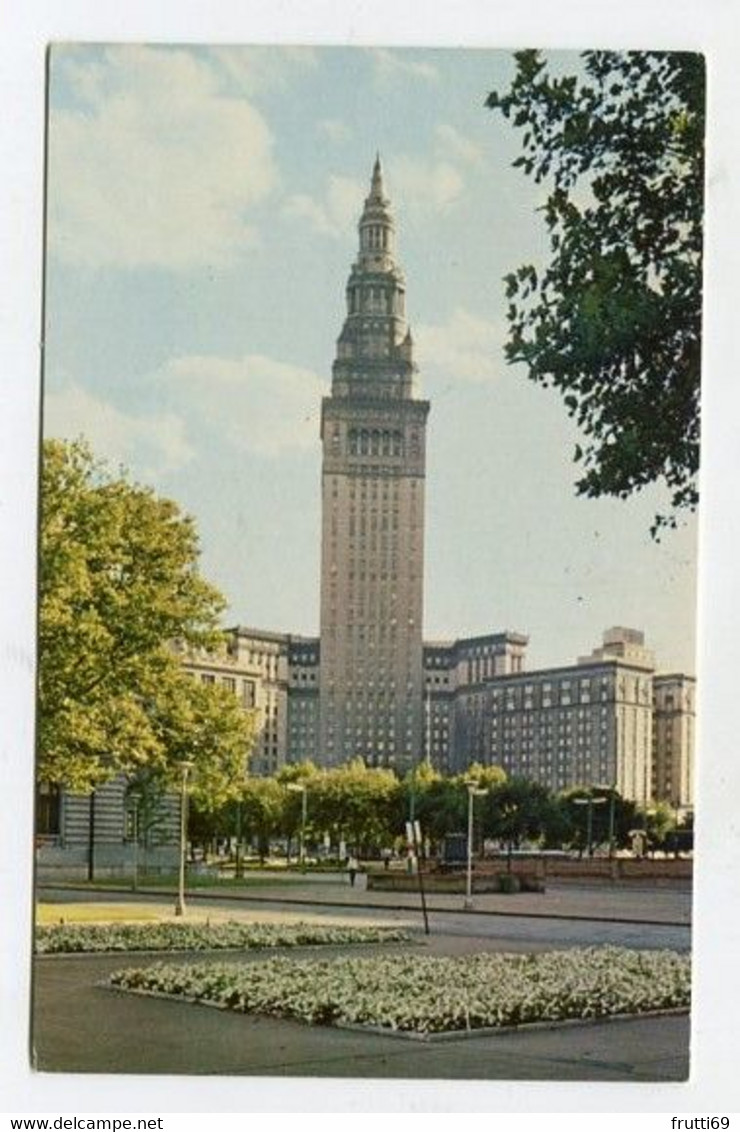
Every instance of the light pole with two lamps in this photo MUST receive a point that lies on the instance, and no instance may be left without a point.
(474, 791)
(590, 801)
(611, 792)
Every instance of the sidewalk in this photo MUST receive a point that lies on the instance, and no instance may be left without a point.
(614, 905)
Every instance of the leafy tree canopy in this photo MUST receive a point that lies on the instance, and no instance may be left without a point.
(356, 802)
(517, 810)
(118, 584)
(484, 777)
(263, 806)
(614, 320)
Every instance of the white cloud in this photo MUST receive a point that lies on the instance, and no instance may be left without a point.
(254, 402)
(466, 348)
(394, 64)
(154, 165)
(158, 443)
(453, 144)
(334, 129)
(336, 213)
(253, 70)
(426, 183)
(435, 181)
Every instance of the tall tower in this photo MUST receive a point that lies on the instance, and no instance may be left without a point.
(372, 551)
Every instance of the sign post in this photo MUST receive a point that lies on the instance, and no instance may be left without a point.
(413, 839)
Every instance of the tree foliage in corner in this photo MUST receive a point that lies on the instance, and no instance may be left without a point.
(614, 321)
(118, 585)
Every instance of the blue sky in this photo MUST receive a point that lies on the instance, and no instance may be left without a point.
(202, 209)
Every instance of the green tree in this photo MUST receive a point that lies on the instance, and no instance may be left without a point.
(292, 775)
(440, 802)
(518, 810)
(263, 803)
(147, 804)
(485, 777)
(659, 820)
(575, 818)
(441, 807)
(356, 803)
(614, 320)
(118, 585)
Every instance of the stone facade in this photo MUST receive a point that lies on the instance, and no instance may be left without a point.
(92, 835)
(674, 722)
(587, 724)
(275, 675)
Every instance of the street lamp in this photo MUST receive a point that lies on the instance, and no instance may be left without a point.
(612, 792)
(590, 802)
(300, 788)
(474, 791)
(134, 799)
(185, 767)
(676, 803)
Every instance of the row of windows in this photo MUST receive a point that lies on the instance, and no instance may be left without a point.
(375, 442)
(375, 237)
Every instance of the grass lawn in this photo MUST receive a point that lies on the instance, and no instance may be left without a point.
(81, 913)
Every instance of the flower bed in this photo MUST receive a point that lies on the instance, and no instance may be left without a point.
(179, 936)
(428, 995)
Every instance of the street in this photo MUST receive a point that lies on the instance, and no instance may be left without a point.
(81, 1026)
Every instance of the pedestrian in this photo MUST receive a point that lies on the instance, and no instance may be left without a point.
(351, 870)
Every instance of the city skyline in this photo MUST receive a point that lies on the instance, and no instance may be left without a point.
(194, 295)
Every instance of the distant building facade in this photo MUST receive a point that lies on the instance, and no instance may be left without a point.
(674, 722)
(609, 720)
(275, 676)
(585, 724)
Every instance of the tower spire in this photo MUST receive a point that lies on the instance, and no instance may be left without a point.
(376, 185)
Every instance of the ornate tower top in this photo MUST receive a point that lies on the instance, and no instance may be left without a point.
(374, 351)
(376, 188)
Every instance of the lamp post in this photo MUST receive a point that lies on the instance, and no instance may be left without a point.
(676, 820)
(238, 865)
(590, 802)
(134, 800)
(185, 767)
(300, 788)
(411, 861)
(612, 792)
(474, 791)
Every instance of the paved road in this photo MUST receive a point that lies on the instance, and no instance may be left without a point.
(560, 918)
(667, 904)
(79, 1026)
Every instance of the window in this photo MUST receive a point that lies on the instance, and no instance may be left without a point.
(48, 810)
